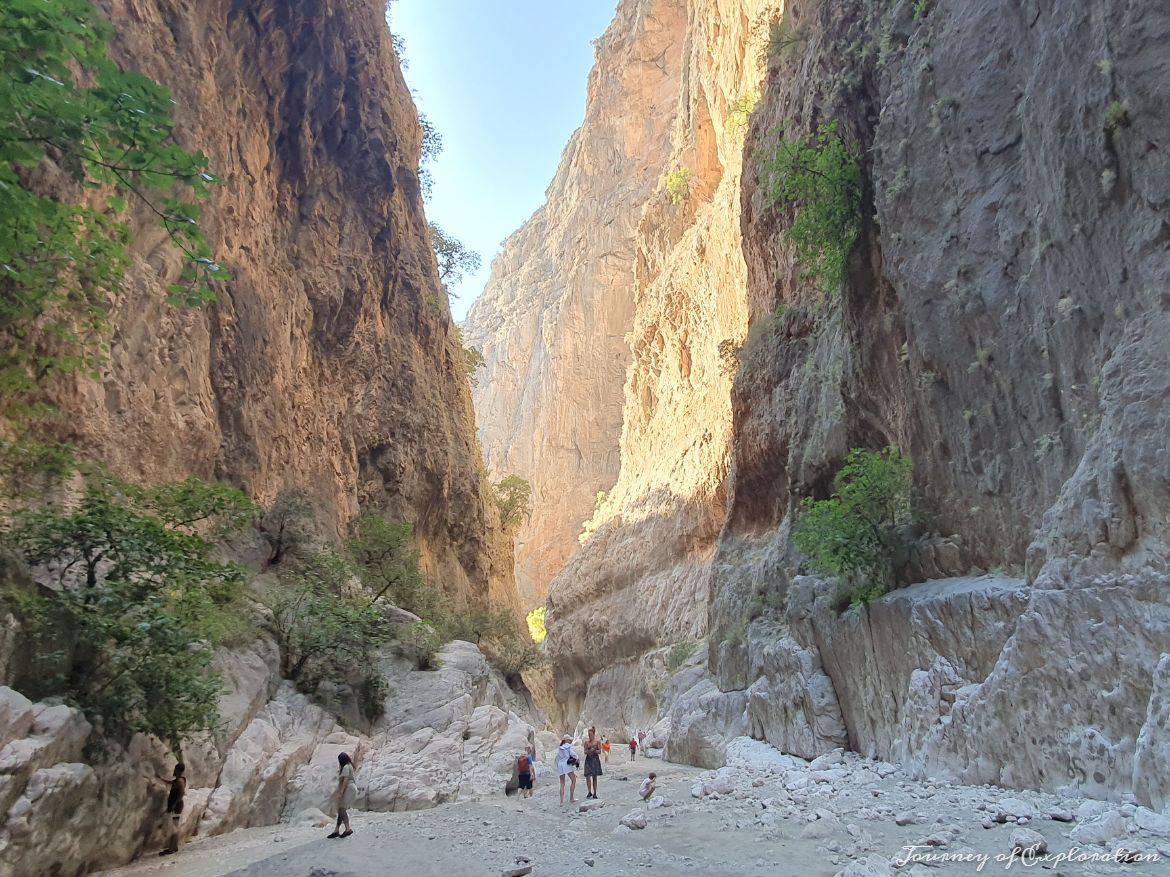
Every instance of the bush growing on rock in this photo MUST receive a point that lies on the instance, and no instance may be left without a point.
(860, 532)
(513, 497)
(819, 179)
(327, 629)
(288, 524)
(132, 602)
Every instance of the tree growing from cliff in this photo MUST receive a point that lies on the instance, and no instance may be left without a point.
(513, 497)
(860, 533)
(91, 136)
(327, 629)
(818, 178)
(134, 602)
(454, 259)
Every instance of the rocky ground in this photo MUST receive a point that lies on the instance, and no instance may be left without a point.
(764, 813)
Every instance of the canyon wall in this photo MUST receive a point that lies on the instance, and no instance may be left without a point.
(329, 361)
(553, 319)
(1004, 323)
(640, 579)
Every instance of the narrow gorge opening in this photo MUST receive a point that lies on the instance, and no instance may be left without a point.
(758, 406)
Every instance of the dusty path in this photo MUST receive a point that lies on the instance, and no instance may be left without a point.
(758, 825)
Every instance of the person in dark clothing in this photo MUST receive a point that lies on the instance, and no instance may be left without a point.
(592, 762)
(174, 811)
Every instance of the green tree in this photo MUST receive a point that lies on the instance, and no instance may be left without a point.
(454, 259)
(386, 562)
(860, 532)
(287, 524)
(473, 361)
(678, 184)
(63, 244)
(513, 497)
(138, 597)
(819, 179)
(326, 631)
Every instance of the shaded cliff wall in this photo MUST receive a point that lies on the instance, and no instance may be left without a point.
(329, 361)
(640, 579)
(1005, 323)
(553, 319)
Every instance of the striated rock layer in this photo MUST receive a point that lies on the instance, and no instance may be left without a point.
(1005, 323)
(640, 579)
(329, 361)
(553, 319)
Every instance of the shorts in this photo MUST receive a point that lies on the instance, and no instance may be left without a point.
(525, 781)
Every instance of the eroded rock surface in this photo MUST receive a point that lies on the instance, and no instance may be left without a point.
(446, 734)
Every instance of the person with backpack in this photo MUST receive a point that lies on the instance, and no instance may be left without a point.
(524, 773)
(633, 748)
(567, 765)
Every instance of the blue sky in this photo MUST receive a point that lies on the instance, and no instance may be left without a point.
(504, 83)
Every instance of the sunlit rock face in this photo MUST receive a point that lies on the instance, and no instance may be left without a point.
(553, 320)
(640, 579)
(329, 361)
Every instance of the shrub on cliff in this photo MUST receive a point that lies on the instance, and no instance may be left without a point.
(133, 602)
(819, 179)
(328, 630)
(860, 533)
(513, 496)
(536, 628)
(67, 109)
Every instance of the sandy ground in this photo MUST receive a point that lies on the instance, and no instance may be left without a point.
(731, 834)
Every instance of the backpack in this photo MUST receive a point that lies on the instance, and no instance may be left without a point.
(523, 765)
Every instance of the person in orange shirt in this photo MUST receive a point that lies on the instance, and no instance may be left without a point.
(605, 749)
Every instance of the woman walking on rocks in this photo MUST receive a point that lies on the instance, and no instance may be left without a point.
(592, 763)
(345, 796)
(567, 767)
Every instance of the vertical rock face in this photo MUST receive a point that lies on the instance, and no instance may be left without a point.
(329, 361)
(1005, 323)
(553, 320)
(640, 579)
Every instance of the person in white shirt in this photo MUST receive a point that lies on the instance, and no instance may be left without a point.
(648, 787)
(567, 767)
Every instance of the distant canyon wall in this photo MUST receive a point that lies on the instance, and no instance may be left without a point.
(552, 323)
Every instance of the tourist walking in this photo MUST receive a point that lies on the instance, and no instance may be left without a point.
(345, 796)
(525, 769)
(174, 811)
(592, 763)
(567, 767)
(605, 749)
(633, 748)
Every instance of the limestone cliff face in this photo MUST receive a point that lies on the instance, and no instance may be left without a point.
(1005, 323)
(640, 578)
(329, 361)
(553, 320)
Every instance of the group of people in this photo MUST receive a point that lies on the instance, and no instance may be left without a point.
(595, 750)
